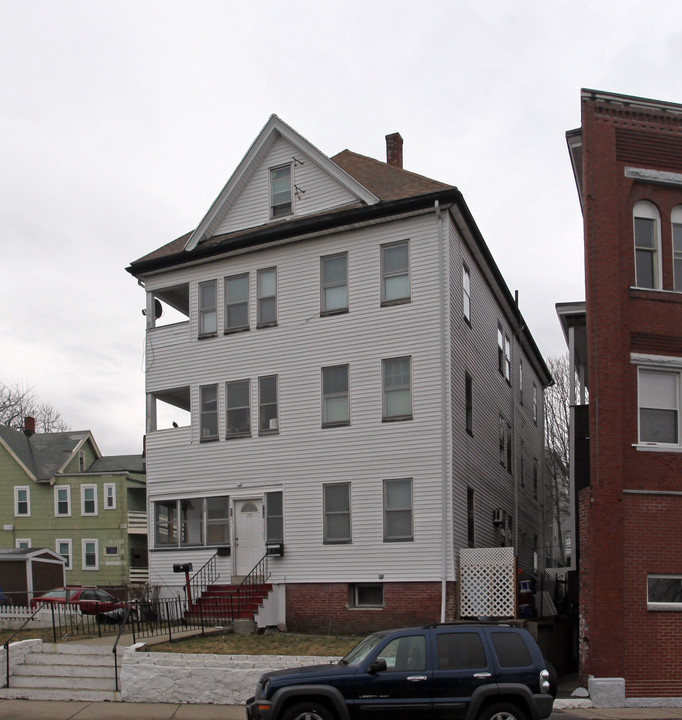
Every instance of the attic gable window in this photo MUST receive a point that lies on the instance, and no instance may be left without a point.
(280, 191)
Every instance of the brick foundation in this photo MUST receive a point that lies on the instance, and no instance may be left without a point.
(323, 607)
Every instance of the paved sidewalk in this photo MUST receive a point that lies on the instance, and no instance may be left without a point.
(68, 710)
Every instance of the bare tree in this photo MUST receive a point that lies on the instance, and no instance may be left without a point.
(19, 401)
(557, 415)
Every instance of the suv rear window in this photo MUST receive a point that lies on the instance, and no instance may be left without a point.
(460, 651)
(510, 649)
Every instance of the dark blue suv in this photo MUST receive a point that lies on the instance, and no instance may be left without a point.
(471, 671)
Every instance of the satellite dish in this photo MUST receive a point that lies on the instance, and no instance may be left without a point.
(158, 308)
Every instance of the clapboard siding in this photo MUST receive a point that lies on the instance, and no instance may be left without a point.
(303, 455)
(252, 206)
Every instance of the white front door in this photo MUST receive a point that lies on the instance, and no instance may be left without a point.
(249, 535)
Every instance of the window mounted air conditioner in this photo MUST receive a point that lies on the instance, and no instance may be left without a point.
(498, 516)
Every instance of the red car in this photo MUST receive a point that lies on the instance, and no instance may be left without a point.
(89, 600)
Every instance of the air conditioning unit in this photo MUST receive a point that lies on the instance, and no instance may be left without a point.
(274, 424)
(498, 516)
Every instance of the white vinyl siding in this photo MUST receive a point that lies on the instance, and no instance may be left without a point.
(251, 207)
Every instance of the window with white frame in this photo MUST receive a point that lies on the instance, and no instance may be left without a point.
(208, 317)
(90, 553)
(22, 543)
(397, 388)
(81, 461)
(110, 496)
(503, 353)
(88, 499)
(646, 228)
(335, 396)
(395, 273)
(658, 403)
(274, 517)
(334, 284)
(469, 403)
(535, 403)
(268, 414)
(238, 400)
(664, 592)
(209, 412)
(466, 293)
(676, 219)
(22, 501)
(336, 503)
(505, 444)
(111, 550)
(237, 303)
(398, 523)
(62, 500)
(280, 191)
(190, 522)
(64, 547)
(521, 381)
(267, 297)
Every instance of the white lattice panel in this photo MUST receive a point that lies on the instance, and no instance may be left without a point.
(487, 582)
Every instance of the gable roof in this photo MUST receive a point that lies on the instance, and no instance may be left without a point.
(391, 187)
(274, 128)
(43, 455)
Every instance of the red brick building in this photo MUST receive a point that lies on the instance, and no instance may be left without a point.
(626, 345)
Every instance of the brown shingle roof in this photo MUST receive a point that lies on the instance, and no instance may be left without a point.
(385, 181)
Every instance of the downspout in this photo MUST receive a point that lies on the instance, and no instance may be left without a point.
(444, 398)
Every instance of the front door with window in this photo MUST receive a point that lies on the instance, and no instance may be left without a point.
(249, 535)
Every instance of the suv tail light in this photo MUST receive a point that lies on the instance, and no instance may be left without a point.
(544, 681)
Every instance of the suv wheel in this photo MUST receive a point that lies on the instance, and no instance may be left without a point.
(502, 711)
(309, 710)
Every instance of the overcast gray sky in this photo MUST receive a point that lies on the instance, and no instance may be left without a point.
(121, 121)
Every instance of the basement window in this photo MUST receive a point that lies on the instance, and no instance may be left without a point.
(365, 595)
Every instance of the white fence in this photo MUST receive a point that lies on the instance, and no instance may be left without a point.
(12, 617)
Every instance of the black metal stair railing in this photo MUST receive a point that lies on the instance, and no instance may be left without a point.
(204, 577)
(248, 588)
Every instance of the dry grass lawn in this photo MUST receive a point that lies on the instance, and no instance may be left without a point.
(275, 643)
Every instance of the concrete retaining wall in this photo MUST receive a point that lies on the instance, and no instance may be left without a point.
(18, 652)
(195, 678)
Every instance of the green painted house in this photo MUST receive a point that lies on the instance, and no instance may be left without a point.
(58, 491)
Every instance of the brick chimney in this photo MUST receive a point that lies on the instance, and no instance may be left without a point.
(394, 150)
(29, 426)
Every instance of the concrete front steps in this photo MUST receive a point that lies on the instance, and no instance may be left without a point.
(64, 672)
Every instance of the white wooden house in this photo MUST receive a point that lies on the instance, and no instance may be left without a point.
(364, 397)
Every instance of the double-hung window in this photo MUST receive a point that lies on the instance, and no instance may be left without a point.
(209, 412)
(88, 499)
(238, 394)
(677, 246)
(397, 388)
(62, 500)
(659, 406)
(466, 293)
(237, 303)
(267, 297)
(208, 323)
(90, 554)
(647, 243)
(65, 549)
(336, 501)
(280, 191)
(503, 353)
(22, 501)
(335, 396)
(268, 416)
(505, 444)
(398, 510)
(110, 496)
(395, 273)
(274, 517)
(334, 284)
(469, 403)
